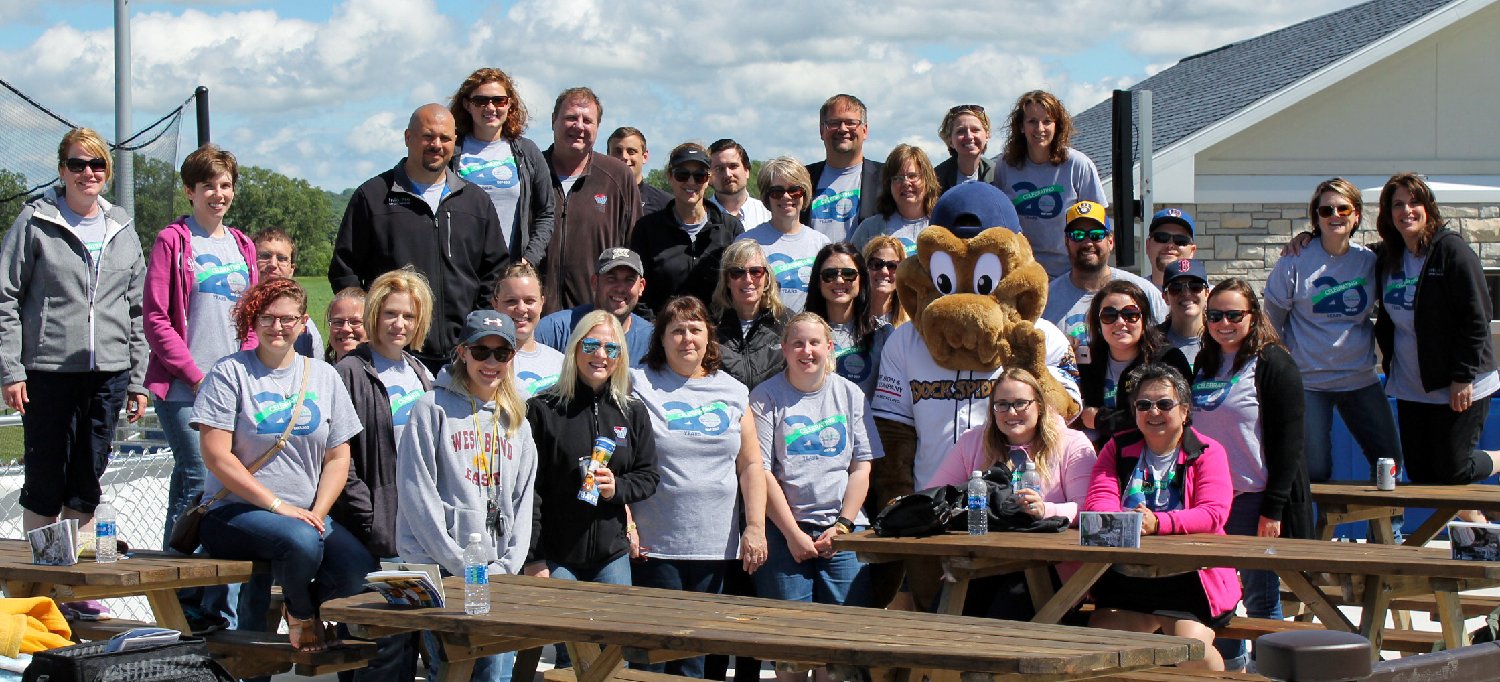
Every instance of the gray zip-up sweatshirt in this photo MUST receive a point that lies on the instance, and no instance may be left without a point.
(448, 468)
(59, 312)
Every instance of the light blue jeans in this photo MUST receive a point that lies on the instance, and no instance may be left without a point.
(188, 471)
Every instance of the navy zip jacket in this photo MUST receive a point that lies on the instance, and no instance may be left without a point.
(1452, 315)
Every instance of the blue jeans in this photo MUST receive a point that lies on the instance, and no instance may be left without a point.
(704, 576)
(616, 572)
(1262, 589)
(840, 579)
(188, 471)
(487, 669)
(311, 568)
(1364, 410)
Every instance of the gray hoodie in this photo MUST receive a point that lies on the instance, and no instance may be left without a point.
(441, 476)
(59, 312)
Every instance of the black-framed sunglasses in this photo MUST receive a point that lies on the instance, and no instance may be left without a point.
(1109, 314)
(755, 271)
(1176, 288)
(480, 101)
(828, 275)
(483, 353)
(683, 174)
(76, 165)
(591, 345)
(1162, 405)
(1217, 316)
(1017, 406)
(966, 107)
(1343, 210)
(874, 264)
(1089, 235)
(777, 192)
(1178, 239)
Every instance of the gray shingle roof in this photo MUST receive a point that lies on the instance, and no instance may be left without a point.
(1205, 88)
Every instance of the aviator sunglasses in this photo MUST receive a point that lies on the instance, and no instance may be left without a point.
(591, 345)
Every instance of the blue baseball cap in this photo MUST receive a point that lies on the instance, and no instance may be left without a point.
(482, 323)
(981, 200)
(1184, 267)
(1173, 215)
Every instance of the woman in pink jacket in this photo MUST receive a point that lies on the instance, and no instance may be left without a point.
(1021, 428)
(1178, 479)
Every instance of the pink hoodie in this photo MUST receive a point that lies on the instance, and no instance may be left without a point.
(1207, 494)
(169, 281)
(1061, 494)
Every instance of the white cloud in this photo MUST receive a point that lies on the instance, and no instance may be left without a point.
(381, 133)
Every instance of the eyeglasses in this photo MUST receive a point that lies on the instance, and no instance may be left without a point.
(1330, 211)
(899, 178)
(839, 124)
(1178, 239)
(483, 353)
(1109, 314)
(591, 345)
(1218, 315)
(480, 101)
(1162, 405)
(77, 165)
(966, 107)
(682, 175)
(1017, 406)
(874, 264)
(1090, 235)
(754, 271)
(828, 275)
(350, 322)
(1176, 288)
(271, 320)
(777, 192)
(268, 257)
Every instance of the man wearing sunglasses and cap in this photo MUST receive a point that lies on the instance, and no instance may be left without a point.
(617, 283)
(1171, 233)
(1186, 288)
(1090, 241)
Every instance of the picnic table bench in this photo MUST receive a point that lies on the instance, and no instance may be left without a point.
(609, 625)
(1349, 501)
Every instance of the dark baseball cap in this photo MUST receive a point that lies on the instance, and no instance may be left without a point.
(981, 200)
(1184, 267)
(1173, 215)
(687, 154)
(482, 323)
(615, 257)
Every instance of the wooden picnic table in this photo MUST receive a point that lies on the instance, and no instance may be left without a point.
(1307, 567)
(1349, 501)
(608, 625)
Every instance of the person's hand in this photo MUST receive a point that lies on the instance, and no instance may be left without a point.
(1088, 415)
(196, 384)
(604, 480)
(1149, 524)
(802, 547)
(536, 569)
(1295, 245)
(1460, 396)
(1268, 528)
(634, 536)
(15, 396)
(753, 547)
(296, 512)
(1032, 502)
(824, 543)
(135, 407)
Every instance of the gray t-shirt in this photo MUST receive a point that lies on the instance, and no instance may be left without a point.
(694, 228)
(809, 440)
(492, 166)
(1068, 305)
(1226, 408)
(1321, 306)
(538, 369)
(432, 194)
(694, 513)
(859, 363)
(220, 275)
(1405, 381)
(403, 386)
(1189, 345)
(254, 402)
(835, 202)
(1042, 194)
(895, 226)
(791, 258)
(90, 230)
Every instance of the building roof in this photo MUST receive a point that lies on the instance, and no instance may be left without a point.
(1208, 87)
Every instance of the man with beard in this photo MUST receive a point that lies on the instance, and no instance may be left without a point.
(846, 185)
(729, 175)
(1171, 233)
(420, 214)
(617, 284)
(1090, 241)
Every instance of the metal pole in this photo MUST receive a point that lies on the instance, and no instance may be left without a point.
(201, 99)
(124, 159)
(1148, 192)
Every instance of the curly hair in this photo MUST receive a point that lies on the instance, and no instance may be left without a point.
(516, 116)
(256, 299)
(1015, 145)
(683, 308)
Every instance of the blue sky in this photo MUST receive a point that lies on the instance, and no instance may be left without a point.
(320, 90)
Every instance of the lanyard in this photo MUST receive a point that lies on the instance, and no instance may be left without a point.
(489, 460)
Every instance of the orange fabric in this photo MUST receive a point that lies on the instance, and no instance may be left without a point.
(30, 625)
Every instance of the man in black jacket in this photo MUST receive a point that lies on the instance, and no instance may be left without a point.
(420, 214)
(846, 185)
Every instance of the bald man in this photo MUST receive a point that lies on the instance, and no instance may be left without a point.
(421, 214)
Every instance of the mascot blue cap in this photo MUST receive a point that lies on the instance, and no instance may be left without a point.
(981, 200)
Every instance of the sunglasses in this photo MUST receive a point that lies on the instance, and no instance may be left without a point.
(755, 271)
(1176, 288)
(591, 345)
(480, 101)
(1163, 405)
(1330, 211)
(1109, 314)
(1018, 406)
(682, 175)
(77, 165)
(966, 107)
(874, 264)
(777, 192)
(1178, 239)
(1089, 235)
(483, 353)
(828, 275)
(1218, 315)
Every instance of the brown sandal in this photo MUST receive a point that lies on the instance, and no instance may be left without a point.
(305, 635)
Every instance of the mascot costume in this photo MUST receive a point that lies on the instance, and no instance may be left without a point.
(975, 295)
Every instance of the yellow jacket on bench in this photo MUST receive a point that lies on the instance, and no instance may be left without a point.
(30, 625)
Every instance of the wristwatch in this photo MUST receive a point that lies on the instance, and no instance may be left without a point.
(844, 525)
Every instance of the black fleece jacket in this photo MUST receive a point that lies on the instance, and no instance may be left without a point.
(1121, 418)
(565, 529)
(755, 355)
(678, 264)
(1452, 314)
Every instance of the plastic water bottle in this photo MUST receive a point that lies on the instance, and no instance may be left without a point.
(105, 531)
(979, 504)
(1031, 478)
(476, 577)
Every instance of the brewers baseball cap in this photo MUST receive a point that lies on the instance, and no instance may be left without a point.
(1088, 210)
(482, 323)
(1184, 267)
(686, 154)
(1172, 215)
(615, 257)
(981, 201)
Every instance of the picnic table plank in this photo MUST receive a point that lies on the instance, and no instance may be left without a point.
(1472, 496)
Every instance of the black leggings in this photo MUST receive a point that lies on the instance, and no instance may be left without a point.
(1439, 443)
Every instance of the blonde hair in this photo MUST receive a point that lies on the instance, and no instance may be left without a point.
(508, 401)
(619, 379)
(404, 281)
(786, 335)
(885, 241)
(737, 255)
(1047, 443)
(91, 143)
(791, 171)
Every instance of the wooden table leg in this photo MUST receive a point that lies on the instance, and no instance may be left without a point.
(1431, 527)
(951, 597)
(1324, 528)
(1070, 593)
(1039, 583)
(602, 667)
(526, 663)
(1450, 613)
(456, 671)
(168, 611)
(1372, 616)
(1316, 601)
